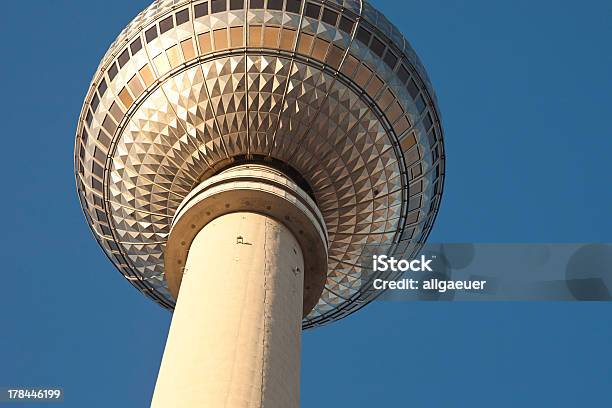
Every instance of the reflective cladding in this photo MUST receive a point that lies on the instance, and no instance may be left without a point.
(332, 89)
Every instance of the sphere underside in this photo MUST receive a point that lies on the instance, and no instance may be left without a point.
(331, 90)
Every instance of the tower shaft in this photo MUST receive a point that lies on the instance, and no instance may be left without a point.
(234, 339)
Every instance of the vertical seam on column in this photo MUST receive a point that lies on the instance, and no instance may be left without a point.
(231, 381)
(263, 340)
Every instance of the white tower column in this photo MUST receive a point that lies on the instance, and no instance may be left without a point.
(234, 341)
(246, 260)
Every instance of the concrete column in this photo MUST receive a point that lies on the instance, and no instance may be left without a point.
(234, 341)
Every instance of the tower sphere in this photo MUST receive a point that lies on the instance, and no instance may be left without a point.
(329, 93)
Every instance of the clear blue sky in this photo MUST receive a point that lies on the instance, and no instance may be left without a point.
(524, 88)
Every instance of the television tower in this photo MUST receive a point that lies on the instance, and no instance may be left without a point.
(237, 159)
